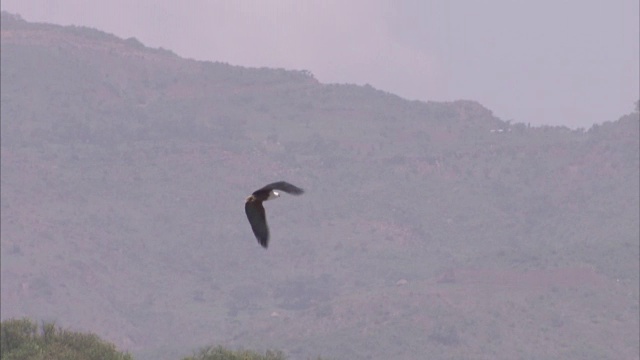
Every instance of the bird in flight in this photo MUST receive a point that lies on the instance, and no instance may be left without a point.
(255, 211)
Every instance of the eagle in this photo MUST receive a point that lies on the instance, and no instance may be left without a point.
(255, 211)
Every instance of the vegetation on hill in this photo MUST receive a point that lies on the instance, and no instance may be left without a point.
(24, 340)
(220, 353)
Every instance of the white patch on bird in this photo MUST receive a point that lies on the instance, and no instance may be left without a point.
(273, 195)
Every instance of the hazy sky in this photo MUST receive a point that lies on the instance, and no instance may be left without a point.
(571, 62)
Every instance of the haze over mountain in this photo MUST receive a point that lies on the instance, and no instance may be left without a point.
(426, 227)
(540, 62)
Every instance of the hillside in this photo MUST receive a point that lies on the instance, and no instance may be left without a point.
(426, 228)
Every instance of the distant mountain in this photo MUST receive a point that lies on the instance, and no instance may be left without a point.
(426, 228)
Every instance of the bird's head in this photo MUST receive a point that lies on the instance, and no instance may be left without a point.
(273, 195)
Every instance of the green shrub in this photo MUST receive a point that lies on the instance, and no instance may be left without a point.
(220, 353)
(23, 339)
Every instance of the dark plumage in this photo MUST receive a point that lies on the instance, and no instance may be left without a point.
(255, 211)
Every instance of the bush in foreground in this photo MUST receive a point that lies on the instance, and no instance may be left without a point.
(24, 339)
(220, 353)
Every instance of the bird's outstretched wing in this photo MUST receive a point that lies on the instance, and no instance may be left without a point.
(283, 186)
(258, 221)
